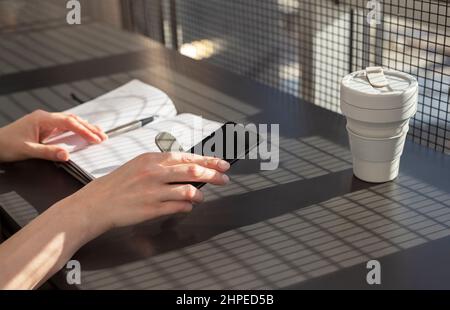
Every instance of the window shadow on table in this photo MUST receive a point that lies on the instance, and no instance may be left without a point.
(293, 247)
(270, 229)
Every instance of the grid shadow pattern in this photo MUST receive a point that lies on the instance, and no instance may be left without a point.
(287, 249)
(297, 246)
(300, 159)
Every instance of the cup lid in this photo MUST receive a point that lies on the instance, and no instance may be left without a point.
(379, 89)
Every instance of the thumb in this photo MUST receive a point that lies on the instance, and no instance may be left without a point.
(49, 152)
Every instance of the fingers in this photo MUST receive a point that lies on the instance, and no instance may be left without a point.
(176, 158)
(95, 129)
(47, 152)
(75, 124)
(184, 192)
(194, 173)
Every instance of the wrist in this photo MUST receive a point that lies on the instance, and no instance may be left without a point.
(84, 213)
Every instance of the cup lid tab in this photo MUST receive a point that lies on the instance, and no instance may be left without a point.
(376, 77)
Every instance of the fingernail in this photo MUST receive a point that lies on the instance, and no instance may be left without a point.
(61, 155)
(225, 178)
(224, 165)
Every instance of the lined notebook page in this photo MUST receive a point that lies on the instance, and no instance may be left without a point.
(101, 159)
(133, 101)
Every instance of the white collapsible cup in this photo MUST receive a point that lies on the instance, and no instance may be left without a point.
(378, 105)
(376, 159)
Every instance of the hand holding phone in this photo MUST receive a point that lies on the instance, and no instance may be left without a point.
(231, 142)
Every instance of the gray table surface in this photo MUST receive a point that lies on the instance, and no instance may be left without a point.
(308, 224)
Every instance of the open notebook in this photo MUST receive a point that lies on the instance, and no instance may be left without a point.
(130, 102)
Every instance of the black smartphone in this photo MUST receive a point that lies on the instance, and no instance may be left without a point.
(231, 142)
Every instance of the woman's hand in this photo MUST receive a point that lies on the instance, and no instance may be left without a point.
(141, 190)
(23, 138)
(145, 188)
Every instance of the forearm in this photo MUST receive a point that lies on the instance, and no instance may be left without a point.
(40, 249)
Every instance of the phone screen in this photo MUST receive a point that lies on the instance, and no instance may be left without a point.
(231, 142)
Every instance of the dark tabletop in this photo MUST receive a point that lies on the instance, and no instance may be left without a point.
(308, 224)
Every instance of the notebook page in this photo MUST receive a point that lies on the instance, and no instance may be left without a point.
(101, 159)
(133, 101)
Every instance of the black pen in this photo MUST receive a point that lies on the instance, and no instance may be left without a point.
(130, 126)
